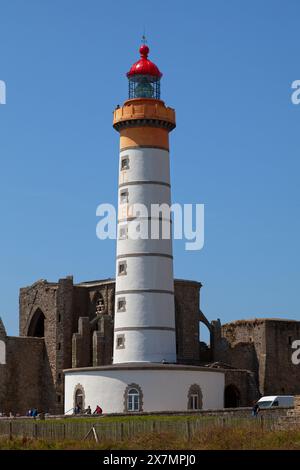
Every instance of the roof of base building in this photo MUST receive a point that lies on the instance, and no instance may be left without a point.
(110, 280)
(99, 282)
(259, 320)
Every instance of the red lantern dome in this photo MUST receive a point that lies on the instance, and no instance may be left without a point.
(144, 66)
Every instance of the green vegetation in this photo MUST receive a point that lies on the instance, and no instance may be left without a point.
(213, 438)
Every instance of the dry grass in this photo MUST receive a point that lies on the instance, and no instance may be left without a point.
(210, 439)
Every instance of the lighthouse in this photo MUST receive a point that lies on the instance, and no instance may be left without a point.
(144, 375)
(144, 328)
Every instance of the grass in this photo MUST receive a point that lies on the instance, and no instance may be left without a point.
(214, 438)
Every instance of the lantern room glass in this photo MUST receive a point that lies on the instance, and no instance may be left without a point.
(144, 86)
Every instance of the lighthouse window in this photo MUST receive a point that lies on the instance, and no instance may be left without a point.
(125, 163)
(194, 397)
(121, 304)
(194, 402)
(124, 196)
(122, 268)
(133, 400)
(123, 232)
(120, 342)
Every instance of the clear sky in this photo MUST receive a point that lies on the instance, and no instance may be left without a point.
(228, 68)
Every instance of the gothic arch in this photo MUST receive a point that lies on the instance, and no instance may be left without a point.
(37, 324)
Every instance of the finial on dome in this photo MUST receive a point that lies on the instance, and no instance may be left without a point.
(144, 49)
(144, 39)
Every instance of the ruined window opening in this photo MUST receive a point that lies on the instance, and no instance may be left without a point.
(100, 304)
(37, 325)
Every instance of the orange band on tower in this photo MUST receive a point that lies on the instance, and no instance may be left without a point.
(144, 137)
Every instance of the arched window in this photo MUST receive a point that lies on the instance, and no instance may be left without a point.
(231, 396)
(195, 398)
(133, 398)
(37, 324)
(79, 397)
(2, 352)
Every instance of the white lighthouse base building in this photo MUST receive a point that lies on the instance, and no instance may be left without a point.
(125, 388)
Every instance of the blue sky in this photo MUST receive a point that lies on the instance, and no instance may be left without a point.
(228, 68)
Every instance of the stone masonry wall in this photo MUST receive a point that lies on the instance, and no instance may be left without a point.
(244, 347)
(25, 375)
(245, 382)
(282, 377)
(187, 316)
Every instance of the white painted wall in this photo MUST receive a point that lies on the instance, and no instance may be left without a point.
(146, 346)
(144, 246)
(136, 313)
(2, 352)
(147, 194)
(163, 390)
(146, 164)
(146, 272)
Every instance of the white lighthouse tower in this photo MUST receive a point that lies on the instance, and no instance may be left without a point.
(144, 375)
(144, 329)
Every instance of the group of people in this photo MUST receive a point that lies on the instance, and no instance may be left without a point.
(88, 410)
(33, 412)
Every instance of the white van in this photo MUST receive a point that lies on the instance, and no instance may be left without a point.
(281, 401)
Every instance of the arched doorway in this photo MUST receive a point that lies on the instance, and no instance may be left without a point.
(37, 324)
(231, 396)
(79, 398)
